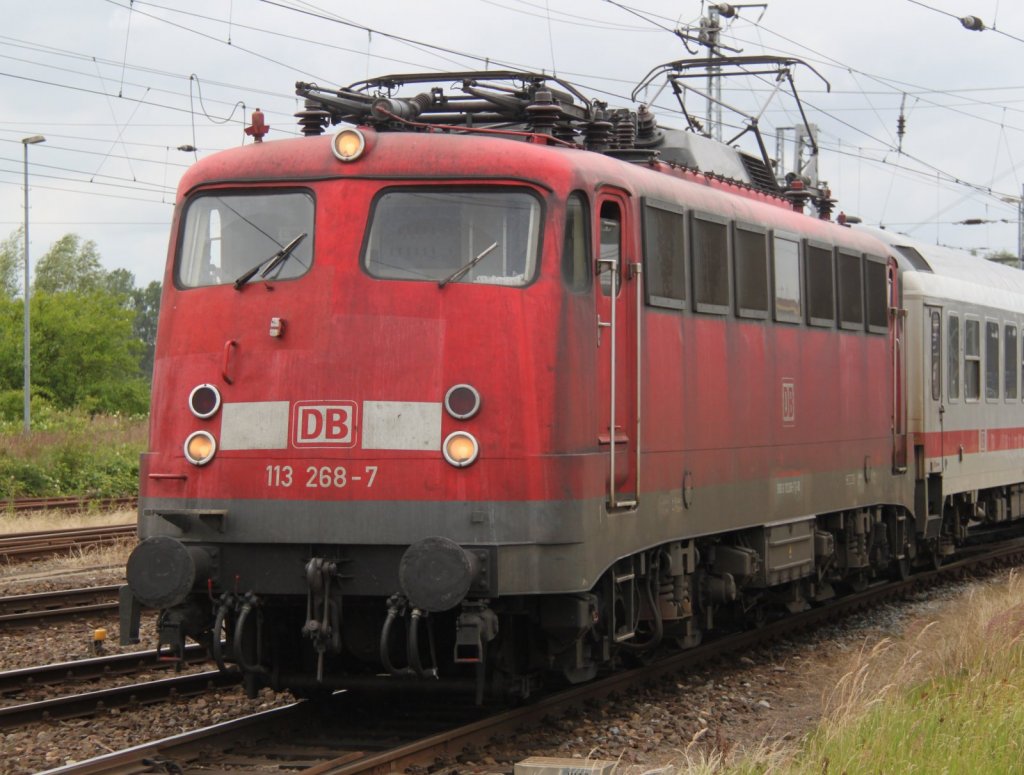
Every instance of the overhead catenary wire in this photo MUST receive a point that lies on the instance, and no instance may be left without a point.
(935, 97)
(964, 20)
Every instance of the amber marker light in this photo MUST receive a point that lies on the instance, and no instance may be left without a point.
(204, 401)
(348, 144)
(460, 449)
(200, 448)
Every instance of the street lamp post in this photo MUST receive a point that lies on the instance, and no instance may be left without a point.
(26, 142)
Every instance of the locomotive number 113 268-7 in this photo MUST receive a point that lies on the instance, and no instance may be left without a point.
(321, 476)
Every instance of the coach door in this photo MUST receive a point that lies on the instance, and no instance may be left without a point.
(618, 300)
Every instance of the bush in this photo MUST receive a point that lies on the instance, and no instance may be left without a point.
(72, 453)
(12, 406)
(129, 397)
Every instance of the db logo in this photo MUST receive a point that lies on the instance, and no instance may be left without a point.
(788, 402)
(324, 424)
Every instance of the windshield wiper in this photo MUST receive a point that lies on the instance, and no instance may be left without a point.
(463, 269)
(271, 263)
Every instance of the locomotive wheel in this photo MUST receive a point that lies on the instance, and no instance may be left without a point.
(858, 581)
(578, 675)
(933, 555)
(901, 568)
(689, 641)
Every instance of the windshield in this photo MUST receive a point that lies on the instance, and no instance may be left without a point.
(448, 235)
(226, 235)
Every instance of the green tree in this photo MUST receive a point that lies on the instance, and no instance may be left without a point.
(93, 331)
(11, 263)
(120, 282)
(69, 265)
(145, 302)
(11, 341)
(85, 354)
(1003, 257)
(147, 310)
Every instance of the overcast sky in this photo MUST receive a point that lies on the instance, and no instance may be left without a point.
(116, 87)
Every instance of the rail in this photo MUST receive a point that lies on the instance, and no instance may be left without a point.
(23, 547)
(65, 503)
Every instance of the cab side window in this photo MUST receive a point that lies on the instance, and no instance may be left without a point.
(611, 249)
(576, 243)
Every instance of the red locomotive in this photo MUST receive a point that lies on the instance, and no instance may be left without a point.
(502, 385)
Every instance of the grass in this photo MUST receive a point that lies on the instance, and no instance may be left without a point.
(72, 453)
(35, 521)
(947, 698)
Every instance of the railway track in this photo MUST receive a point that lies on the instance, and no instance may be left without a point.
(24, 547)
(69, 503)
(92, 702)
(60, 604)
(81, 671)
(336, 737)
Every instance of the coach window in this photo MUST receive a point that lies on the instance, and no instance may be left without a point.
(851, 291)
(1010, 367)
(576, 243)
(936, 359)
(786, 279)
(821, 310)
(953, 357)
(991, 360)
(664, 235)
(711, 264)
(876, 292)
(972, 359)
(751, 271)
(611, 248)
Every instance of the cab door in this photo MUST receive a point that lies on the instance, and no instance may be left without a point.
(618, 299)
(897, 345)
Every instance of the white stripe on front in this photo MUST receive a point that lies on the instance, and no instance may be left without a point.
(254, 425)
(408, 425)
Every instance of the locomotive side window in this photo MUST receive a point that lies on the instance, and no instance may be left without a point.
(711, 264)
(1010, 367)
(972, 359)
(786, 279)
(611, 249)
(751, 270)
(953, 357)
(665, 254)
(224, 236)
(851, 291)
(450, 235)
(576, 244)
(821, 310)
(877, 294)
(991, 360)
